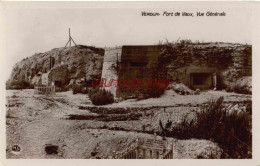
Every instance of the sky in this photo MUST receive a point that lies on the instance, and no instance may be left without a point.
(29, 30)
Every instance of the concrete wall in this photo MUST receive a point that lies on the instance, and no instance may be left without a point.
(109, 71)
(45, 78)
(224, 61)
(138, 62)
(229, 61)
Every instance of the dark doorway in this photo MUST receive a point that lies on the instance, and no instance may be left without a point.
(58, 83)
(201, 81)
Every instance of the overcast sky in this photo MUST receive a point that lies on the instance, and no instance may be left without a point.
(34, 30)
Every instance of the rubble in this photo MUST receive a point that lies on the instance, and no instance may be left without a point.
(180, 89)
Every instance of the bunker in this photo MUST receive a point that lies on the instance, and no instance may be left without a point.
(200, 66)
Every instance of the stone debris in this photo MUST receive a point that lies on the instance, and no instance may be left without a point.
(197, 92)
(180, 89)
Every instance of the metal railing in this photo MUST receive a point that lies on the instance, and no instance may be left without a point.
(41, 89)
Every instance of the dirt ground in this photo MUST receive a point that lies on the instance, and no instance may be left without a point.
(74, 128)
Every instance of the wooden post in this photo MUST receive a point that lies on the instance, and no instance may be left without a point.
(137, 152)
(157, 154)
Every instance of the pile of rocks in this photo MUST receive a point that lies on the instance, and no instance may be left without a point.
(181, 89)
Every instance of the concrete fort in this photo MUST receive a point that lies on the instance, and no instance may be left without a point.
(201, 66)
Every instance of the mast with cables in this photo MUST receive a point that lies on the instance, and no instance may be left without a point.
(70, 39)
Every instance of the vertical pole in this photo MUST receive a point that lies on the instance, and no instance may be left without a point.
(137, 152)
(69, 37)
(144, 154)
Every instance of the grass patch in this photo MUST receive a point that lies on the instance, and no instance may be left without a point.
(101, 96)
(79, 89)
(242, 89)
(22, 84)
(230, 129)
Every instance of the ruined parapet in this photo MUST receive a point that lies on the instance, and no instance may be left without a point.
(112, 58)
(82, 61)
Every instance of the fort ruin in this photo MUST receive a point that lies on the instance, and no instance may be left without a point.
(199, 66)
